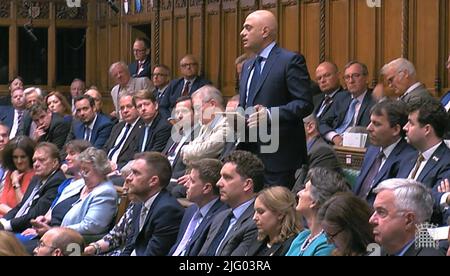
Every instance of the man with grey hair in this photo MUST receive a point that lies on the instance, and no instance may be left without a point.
(400, 76)
(401, 205)
(33, 95)
(214, 128)
(125, 83)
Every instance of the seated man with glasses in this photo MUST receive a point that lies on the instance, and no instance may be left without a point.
(184, 86)
(351, 108)
(160, 79)
(60, 241)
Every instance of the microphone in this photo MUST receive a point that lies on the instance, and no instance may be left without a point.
(113, 6)
(30, 33)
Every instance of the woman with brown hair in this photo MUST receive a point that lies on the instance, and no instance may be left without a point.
(345, 222)
(10, 246)
(57, 103)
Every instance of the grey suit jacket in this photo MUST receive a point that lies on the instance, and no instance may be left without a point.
(419, 93)
(240, 237)
(134, 85)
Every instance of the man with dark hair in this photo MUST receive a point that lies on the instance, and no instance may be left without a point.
(388, 150)
(427, 123)
(156, 218)
(60, 241)
(40, 192)
(13, 116)
(201, 190)
(233, 230)
(50, 127)
(160, 79)
(90, 125)
(4, 139)
(141, 66)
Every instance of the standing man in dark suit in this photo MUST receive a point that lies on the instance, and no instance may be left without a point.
(350, 109)
(400, 75)
(121, 144)
(276, 86)
(141, 67)
(40, 193)
(388, 150)
(50, 127)
(427, 123)
(156, 214)
(155, 131)
(327, 77)
(184, 86)
(201, 190)
(90, 126)
(160, 79)
(401, 205)
(233, 230)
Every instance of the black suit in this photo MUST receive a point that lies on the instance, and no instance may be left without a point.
(173, 92)
(318, 100)
(160, 227)
(284, 88)
(57, 132)
(146, 72)
(158, 136)
(259, 248)
(40, 205)
(128, 150)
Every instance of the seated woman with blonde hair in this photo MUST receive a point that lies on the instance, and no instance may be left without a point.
(345, 222)
(277, 222)
(17, 158)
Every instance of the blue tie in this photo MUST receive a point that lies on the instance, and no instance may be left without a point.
(116, 147)
(144, 141)
(348, 117)
(190, 230)
(220, 235)
(255, 80)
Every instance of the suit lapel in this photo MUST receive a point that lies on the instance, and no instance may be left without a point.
(267, 66)
(364, 106)
(432, 162)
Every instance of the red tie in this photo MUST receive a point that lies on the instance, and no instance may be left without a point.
(186, 88)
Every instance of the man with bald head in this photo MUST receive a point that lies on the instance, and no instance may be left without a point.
(275, 86)
(60, 241)
(327, 77)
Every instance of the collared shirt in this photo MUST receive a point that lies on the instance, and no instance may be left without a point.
(405, 248)
(91, 125)
(388, 150)
(15, 126)
(265, 55)
(426, 155)
(117, 152)
(411, 88)
(322, 106)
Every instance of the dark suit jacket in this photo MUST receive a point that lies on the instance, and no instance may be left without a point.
(413, 251)
(173, 92)
(322, 155)
(128, 150)
(40, 205)
(278, 249)
(318, 99)
(57, 131)
(100, 132)
(390, 167)
(7, 115)
(133, 67)
(199, 236)
(336, 115)
(158, 136)
(284, 85)
(160, 228)
(5, 100)
(239, 238)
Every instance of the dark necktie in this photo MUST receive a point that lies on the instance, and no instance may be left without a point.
(19, 118)
(419, 161)
(87, 133)
(255, 80)
(220, 235)
(186, 87)
(122, 139)
(368, 181)
(326, 102)
(171, 151)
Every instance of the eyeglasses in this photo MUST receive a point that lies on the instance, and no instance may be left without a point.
(352, 76)
(42, 244)
(184, 65)
(159, 75)
(330, 237)
(139, 50)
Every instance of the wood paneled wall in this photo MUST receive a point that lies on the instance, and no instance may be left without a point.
(337, 30)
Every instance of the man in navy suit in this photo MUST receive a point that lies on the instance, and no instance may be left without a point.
(202, 190)
(350, 109)
(90, 126)
(389, 149)
(156, 215)
(155, 131)
(13, 116)
(327, 77)
(427, 123)
(141, 67)
(278, 91)
(160, 79)
(184, 86)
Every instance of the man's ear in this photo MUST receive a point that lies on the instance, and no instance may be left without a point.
(248, 184)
